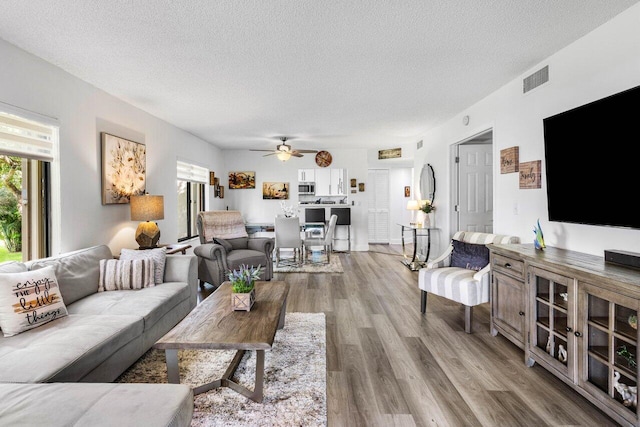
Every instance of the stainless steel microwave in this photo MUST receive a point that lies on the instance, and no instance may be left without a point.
(307, 188)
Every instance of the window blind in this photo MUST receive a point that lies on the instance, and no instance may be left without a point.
(25, 138)
(193, 173)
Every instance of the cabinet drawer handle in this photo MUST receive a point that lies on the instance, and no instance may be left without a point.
(569, 329)
(521, 313)
(507, 265)
(578, 334)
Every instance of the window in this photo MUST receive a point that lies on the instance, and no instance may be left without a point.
(191, 198)
(27, 150)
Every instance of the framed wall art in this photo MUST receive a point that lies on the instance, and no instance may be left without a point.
(530, 174)
(275, 190)
(509, 160)
(241, 180)
(361, 186)
(392, 153)
(123, 169)
(407, 191)
(212, 178)
(353, 183)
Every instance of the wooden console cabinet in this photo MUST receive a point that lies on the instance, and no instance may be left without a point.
(574, 315)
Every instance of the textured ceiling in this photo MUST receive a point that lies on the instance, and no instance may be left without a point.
(329, 73)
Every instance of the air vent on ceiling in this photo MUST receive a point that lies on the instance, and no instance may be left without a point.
(536, 79)
(419, 145)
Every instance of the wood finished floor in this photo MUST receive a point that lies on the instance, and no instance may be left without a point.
(389, 365)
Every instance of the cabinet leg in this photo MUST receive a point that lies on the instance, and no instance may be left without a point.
(529, 362)
(494, 332)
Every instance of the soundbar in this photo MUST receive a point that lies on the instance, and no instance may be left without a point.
(624, 258)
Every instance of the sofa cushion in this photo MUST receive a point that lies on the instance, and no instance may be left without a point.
(66, 349)
(78, 272)
(239, 243)
(158, 255)
(12, 267)
(149, 303)
(245, 256)
(95, 405)
(469, 255)
(119, 274)
(29, 299)
(454, 283)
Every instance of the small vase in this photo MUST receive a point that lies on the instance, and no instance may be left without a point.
(244, 301)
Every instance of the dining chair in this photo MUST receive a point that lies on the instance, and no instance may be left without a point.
(325, 242)
(287, 232)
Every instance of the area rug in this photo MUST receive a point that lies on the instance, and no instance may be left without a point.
(295, 380)
(335, 266)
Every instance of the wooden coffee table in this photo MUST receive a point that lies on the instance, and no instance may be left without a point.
(213, 325)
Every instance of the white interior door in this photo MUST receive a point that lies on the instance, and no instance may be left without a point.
(378, 205)
(475, 205)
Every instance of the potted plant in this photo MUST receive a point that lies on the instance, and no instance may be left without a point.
(243, 293)
(427, 208)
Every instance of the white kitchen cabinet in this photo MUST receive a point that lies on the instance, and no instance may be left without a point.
(323, 182)
(306, 175)
(337, 182)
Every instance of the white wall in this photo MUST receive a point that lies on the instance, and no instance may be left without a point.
(82, 112)
(270, 169)
(603, 62)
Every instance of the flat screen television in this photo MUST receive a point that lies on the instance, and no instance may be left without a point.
(592, 162)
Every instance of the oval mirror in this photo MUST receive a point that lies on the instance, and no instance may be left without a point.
(427, 183)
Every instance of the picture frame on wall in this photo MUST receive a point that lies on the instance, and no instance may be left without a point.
(509, 160)
(275, 190)
(530, 175)
(361, 186)
(123, 169)
(407, 191)
(242, 180)
(212, 178)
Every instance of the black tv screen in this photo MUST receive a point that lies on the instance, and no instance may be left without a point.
(592, 162)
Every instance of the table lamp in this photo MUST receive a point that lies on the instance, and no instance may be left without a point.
(413, 205)
(147, 209)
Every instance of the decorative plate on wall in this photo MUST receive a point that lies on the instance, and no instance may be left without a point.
(323, 159)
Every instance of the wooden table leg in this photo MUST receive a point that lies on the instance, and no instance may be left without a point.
(173, 371)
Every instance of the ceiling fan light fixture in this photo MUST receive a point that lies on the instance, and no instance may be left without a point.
(284, 156)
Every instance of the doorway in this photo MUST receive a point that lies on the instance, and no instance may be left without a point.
(472, 183)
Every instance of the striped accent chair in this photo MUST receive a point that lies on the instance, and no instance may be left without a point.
(468, 287)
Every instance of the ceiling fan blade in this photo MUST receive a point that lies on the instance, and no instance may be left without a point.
(251, 149)
(270, 154)
(296, 154)
(307, 151)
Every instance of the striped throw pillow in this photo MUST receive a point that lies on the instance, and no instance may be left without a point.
(118, 274)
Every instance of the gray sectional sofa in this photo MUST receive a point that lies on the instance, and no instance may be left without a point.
(104, 334)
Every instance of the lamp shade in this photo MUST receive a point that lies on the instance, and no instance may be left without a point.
(147, 208)
(413, 205)
(283, 155)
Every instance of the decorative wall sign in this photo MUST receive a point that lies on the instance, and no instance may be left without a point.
(391, 153)
(221, 191)
(323, 159)
(361, 186)
(212, 178)
(123, 169)
(353, 183)
(240, 180)
(509, 159)
(530, 174)
(275, 190)
(407, 191)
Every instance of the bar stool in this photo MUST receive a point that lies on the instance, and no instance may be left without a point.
(314, 219)
(344, 219)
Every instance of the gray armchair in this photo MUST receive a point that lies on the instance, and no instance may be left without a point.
(225, 245)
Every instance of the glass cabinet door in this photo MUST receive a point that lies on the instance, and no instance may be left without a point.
(551, 330)
(610, 341)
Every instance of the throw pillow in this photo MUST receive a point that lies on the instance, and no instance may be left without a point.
(29, 299)
(471, 256)
(226, 245)
(118, 274)
(158, 255)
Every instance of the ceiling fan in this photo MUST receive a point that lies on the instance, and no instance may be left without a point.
(284, 151)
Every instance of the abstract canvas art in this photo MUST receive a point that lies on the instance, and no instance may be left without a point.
(123, 169)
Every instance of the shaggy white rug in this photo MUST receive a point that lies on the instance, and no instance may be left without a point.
(295, 381)
(335, 266)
